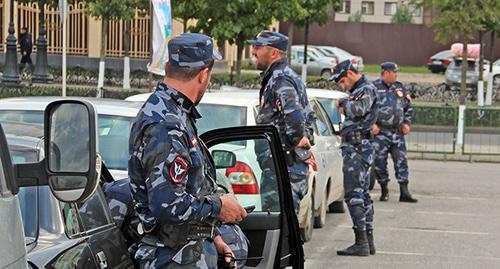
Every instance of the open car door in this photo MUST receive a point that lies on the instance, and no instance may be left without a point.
(251, 163)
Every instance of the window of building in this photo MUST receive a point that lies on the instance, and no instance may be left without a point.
(367, 7)
(346, 7)
(390, 8)
(417, 12)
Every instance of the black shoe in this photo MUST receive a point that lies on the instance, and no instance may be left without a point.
(384, 196)
(360, 247)
(371, 244)
(405, 195)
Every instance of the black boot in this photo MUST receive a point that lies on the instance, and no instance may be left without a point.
(371, 244)
(405, 195)
(384, 196)
(360, 247)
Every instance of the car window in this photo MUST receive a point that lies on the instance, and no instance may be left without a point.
(253, 176)
(93, 213)
(331, 109)
(28, 196)
(114, 132)
(443, 54)
(322, 124)
(70, 216)
(215, 116)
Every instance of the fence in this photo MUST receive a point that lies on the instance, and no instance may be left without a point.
(481, 131)
(434, 129)
(140, 45)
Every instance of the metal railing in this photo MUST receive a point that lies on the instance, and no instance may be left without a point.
(140, 45)
(434, 129)
(481, 131)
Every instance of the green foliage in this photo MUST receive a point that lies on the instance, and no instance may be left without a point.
(460, 19)
(403, 15)
(317, 11)
(108, 9)
(187, 9)
(355, 17)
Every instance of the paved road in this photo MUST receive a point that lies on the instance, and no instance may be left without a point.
(456, 223)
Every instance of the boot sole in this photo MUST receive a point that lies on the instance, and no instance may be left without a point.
(353, 254)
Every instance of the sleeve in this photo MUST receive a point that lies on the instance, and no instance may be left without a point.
(360, 104)
(288, 103)
(408, 108)
(166, 163)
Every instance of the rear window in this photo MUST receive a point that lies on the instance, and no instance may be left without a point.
(470, 64)
(215, 116)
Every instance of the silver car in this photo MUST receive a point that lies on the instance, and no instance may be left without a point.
(317, 65)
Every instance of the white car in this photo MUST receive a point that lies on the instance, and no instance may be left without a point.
(317, 63)
(342, 55)
(235, 107)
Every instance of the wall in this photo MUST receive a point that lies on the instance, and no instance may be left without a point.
(407, 44)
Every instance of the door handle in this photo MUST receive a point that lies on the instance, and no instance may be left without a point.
(102, 260)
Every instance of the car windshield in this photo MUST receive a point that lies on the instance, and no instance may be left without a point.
(28, 196)
(331, 109)
(471, 65)
(114, 132)
(340, 52)
(443, 54)
(216, 116)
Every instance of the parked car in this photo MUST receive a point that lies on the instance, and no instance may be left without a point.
(453, 74)
(58, 171)
(496, 72)
(266, 229)
(235, 107)
(342, 55)
(316, 65)
(438, 62)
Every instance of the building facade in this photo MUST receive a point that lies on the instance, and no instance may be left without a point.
(376, 11)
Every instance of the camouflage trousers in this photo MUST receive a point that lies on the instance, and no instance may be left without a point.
(356, 167)
(392, 142)
(195, 254)
(298, 182)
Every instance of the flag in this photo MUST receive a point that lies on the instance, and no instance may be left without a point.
(162, 29)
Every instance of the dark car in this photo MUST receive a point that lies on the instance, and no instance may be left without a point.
(58, 234)
(438, 62)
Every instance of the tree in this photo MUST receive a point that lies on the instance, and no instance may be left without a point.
(355, 17)
(105, 10)
(187, 9)
(234, 22)
(403, 15)
(459, 20)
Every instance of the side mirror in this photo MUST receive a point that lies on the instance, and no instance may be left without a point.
(72, 164)
(223, 159)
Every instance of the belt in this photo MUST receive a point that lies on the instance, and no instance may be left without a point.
(356, 137)
(175, 236)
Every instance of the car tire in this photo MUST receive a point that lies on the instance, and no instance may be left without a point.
(320, 220)
(337, 207)
(308, 230)
(326, 74)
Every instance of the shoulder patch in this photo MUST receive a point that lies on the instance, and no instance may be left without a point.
(179, 170)
(399, 92)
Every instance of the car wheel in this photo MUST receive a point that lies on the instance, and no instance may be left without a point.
(320, 220)
(496, 80)
(326, 74)
(308, 230)
(337, 207)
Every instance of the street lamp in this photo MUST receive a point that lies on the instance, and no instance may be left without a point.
(10, 76)
(41, 73)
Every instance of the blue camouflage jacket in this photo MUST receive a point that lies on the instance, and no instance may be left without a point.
(360, 108)
(171, 177)
(394, 105)
(284, 104)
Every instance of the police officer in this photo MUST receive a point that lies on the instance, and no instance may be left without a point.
(284, 104)
(393, 123)
(360, 111)
(170, 169)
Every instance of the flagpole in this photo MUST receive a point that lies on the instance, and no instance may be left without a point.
(151, 21)
(64, 50)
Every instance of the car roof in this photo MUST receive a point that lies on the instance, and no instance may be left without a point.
(104, 106)
(324, 93)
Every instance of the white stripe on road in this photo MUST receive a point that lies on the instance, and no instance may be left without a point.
(456, 198)
(422, 230)
(433, 255)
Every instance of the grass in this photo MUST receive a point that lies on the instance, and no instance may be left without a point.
(375, 68)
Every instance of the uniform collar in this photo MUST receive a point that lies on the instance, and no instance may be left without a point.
(276, 65)
(182, 101)
(358, 83)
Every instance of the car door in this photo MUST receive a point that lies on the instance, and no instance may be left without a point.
(12, 252)
(105, 240)
(272, 228)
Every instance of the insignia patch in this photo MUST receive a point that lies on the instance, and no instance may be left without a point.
(178, 170)
(399, 93)
(194, 141)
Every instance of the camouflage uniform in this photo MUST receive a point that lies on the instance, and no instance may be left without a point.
(284, 104)
(394, 110)
(360, 114)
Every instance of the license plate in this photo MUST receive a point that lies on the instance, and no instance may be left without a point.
(436, 62)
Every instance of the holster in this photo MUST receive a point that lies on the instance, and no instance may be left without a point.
(176, 236)
(356, 137)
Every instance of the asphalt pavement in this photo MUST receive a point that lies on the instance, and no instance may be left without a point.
(455, 224)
